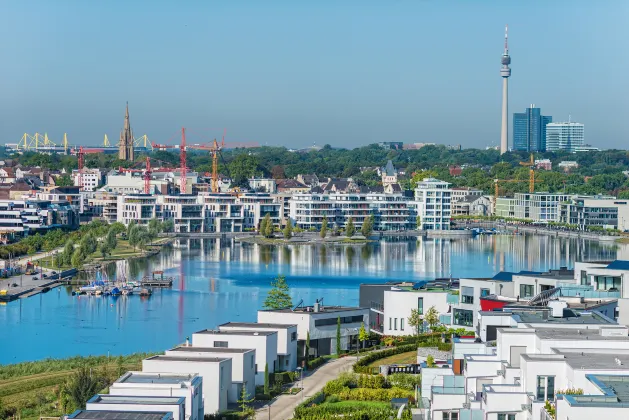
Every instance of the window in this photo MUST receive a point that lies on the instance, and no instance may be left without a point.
(467, 299)
(220, 344)
(420, 305)
(504, 416)
(526, 290)
(395, 324)
(584, 277)
(253, 360)
(450, 415)
(401, 324)
(390, 323)
(333, 321)
(293, 336)
(463, 317)
(484, 292)
(222, 381)
(545, 388)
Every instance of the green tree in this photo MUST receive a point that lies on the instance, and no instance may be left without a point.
(82, 386)
(78, 258)
(168, 226)
(64, 181)
(262, 227)
(367, 227)
(154, 228)
(362, 334)
(432, 317)
(133, 236)
(350, 230)
(130, 227)
(266, 378)
(288, 230)
(279, 295)
(68, 251)
(324, 226)
(117, 227)
(244, 399)
(111, 240)
(104, 250)
(88, 244)
(430, 361)
(338, 336)
(419, 222)
(268, 226)
(307, 348)
(416, 320)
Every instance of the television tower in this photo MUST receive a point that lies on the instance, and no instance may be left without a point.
(505, 72)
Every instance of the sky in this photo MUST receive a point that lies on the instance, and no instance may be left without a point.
(298, 73)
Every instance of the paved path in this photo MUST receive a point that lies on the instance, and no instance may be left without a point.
(282, 407)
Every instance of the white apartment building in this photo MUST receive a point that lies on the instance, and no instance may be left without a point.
(139, 208)
(105, 402)
(607, 278)
(223, 213)
(286, 340)
(458, 193)
(606, 212)
(538, 207)
(70, 194)
(267, 185)
(22, 217)
(257, 206)
(565, 136)
(90, 177)
(216, 374)
(163, 385)
(263, 342)
(320, 321)
(432, 198)
(103, 205)
(390, 211)
(243, 366)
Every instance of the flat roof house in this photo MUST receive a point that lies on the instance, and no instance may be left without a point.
(189, 386)
(119, 415)
(320, 321)
(286, 340)
(243, 366)
(216, 374)
(175, 405)
(264, 343)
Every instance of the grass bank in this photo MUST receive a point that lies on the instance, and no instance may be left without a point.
(400, 359)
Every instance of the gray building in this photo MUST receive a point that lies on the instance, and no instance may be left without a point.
(529, 130)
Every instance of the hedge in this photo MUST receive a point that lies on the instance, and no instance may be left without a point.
(315, 363)
(286, 377)
(404, 380)
(362, 365)
(331, 411)
(367, 394)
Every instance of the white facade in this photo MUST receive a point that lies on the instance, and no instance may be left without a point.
(216, 374)
(243, 366)
(286, 340)
(263, 185)
(91, 178)
(568, 136)
(458, 193)
(105, 402)
(163, 385)
(433, 204)
(321, 325)
(264, 343)
(398, 304)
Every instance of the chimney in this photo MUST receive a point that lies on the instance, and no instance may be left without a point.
(316, 306)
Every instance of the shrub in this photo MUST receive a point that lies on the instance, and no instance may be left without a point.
(284, 377)
(332, 399)
(362, 365)
(368, 394)
(404, 381)
(371, 381)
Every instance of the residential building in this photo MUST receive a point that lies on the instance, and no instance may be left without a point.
(389, 174)
(310, 180)
(141, 208)
(257, 206)
(290, 186)
(89, 179)
(529, 130)
(320, 323)
(223, 213)
(568, 165)
(119, 415)
(267, 185)
(471, 205)
(163, 385)
(564, 136)
(545, 164)
(286, 340)
(539, 206)
(458, 193)
(605, 212)
(243, 366)
(394, 145)
(105, 402)
(505, 207)
(185, 210)
(433, 198)
(216, 374)
(70, 194)
(24, 217)
(455, 170)
(264, 343)
(103, 205)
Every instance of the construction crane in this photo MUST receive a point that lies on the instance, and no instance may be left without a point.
(214, 148)
(531, 165)
(146, 173)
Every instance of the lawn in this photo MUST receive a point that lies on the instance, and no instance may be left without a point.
(358, 404)
(402, 358)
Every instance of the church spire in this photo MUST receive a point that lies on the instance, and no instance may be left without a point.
(125, 145)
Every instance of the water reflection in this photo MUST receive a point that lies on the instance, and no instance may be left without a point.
(217, 281)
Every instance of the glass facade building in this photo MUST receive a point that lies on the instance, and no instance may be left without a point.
(529, 130)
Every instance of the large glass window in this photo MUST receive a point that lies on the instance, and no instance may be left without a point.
(545, 388)
(505, 416)
(584, 277)
(467, 299)
(484, 292)
(401, 324)
(420, 305)
(463, 317)
(526, 290)
(220, 344)
(450, 415)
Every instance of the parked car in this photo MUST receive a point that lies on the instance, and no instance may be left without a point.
(44, 276)
(35, 278)
(54, 272)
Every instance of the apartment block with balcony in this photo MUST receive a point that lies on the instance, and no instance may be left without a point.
(185, 210)
(139, 208)
(433, 198)
(223, 213)
(605, 212)
(24, 217)
(390, 211)
(539, 207)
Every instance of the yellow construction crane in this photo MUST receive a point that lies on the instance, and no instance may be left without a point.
(106, 141)
(497, 187)
(531, 165)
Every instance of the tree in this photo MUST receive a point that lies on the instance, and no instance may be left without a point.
(416, 320)
(244, 400)
(118, 228)
(77, 259)
(133, 235)
(367, 227)
(307, 348)
(130, 227)
(432, 317)
(168, 226)
(111, 240)
(68, 251)
(430, 361)
(277, 172)
(350, 230)
(155, 227)
(262, 227)
(338, 336)
(279, 296)
(362, 334)
(288, 230)
(104, 250)
(82, 386)
(324, 226)
(88, 244)
(266, 378)
(419, 222)
(268, 226)
(64, 181)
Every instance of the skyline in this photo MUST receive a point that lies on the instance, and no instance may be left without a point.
(294, 74)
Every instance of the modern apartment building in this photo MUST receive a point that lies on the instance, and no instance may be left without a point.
(529, 130)
(70, 194)
(564, 136)
(433, 198)
(538, 207)
(605, 212)
(24, 217)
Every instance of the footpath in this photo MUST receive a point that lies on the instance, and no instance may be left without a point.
(283, 406)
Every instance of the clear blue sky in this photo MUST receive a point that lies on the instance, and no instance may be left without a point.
(296, 72)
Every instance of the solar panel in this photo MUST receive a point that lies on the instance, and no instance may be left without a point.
(619, 265)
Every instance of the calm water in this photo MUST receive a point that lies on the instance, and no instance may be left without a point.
(217, 282)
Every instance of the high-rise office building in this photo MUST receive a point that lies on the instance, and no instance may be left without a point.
(567, 136)
(529, 130)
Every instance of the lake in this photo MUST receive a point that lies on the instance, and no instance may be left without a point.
(220, 281)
